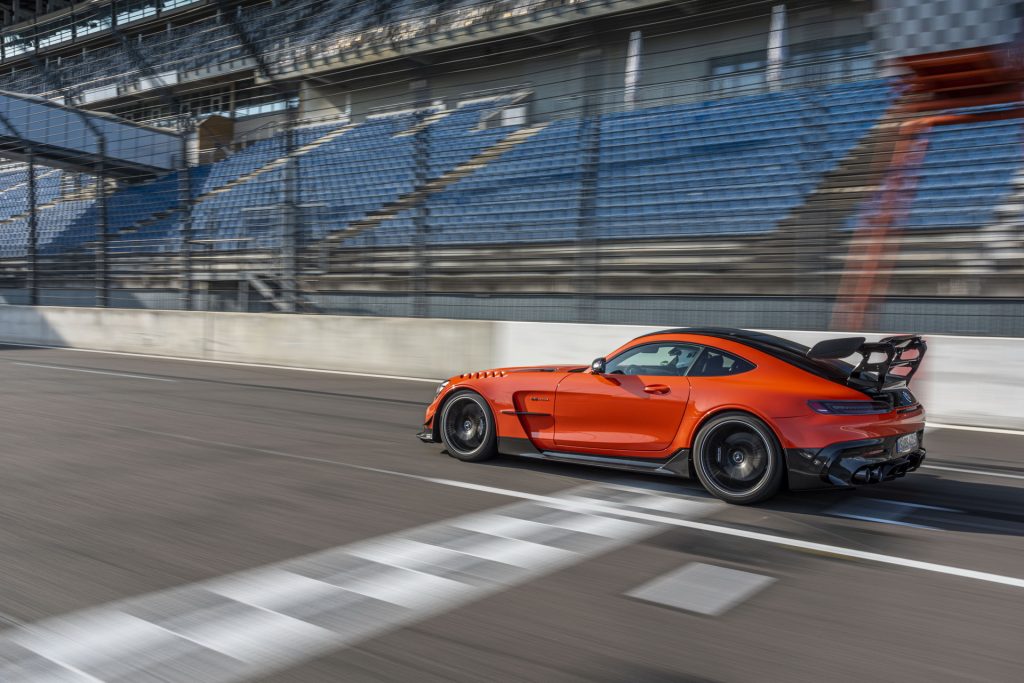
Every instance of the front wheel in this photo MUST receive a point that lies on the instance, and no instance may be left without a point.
(738, 459)
(467, 428)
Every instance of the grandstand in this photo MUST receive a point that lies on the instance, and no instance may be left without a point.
(361, 156)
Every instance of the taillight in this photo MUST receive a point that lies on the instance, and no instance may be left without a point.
(850, 407)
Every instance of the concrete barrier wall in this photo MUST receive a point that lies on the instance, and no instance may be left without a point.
(965, 380)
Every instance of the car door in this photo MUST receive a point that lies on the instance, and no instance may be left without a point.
(634, 407)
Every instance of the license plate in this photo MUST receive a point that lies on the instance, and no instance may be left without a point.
(906, 444)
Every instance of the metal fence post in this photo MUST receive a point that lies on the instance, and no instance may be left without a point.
(184, 176)
(185, 209)
(421, 174)
(289, 286)
(102, 280)
(587, 259)
(291, 227)
(102, 263)
(32, 276)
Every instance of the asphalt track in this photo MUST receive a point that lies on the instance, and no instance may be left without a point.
(135, 488)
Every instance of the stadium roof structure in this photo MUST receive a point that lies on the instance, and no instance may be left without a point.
(75, 139)
(17, 11)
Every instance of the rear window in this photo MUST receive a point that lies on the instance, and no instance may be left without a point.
(795, 353)
(715, 363)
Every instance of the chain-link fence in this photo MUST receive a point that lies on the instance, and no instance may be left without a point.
(635, 161)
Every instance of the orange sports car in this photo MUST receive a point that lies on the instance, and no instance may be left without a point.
(744, 412)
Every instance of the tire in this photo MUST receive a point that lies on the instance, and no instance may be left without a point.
(467, 428)
(738, 459)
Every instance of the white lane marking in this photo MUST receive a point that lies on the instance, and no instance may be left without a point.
(980, 473)
(261, 620)
(581, 505)
(919, 506)
(93, 372)
(259, 637)
(702, 588)
(274, 589)
(519, 553)
(968, 428)
(81, 643)
(223, 362)
(783, 541)
(415, 555)
(404, 552)
(598, 526)
(871, 510)
(407, 588)
(513, 527)
(883, 511)
(883, 520)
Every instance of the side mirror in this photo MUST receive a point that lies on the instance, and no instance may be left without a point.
(597, 367)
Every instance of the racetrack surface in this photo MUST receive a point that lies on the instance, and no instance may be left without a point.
(181, 521)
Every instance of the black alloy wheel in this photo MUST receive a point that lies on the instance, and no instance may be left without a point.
(737, 459)
(467, 427)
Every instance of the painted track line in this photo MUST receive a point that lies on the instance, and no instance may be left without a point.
(980, 473)
(93, 372)
(783, 541)
(968, 428)
(258, 621)
(224, 362)
(583, 505)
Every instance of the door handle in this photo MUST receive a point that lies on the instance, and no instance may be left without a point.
(656, 389)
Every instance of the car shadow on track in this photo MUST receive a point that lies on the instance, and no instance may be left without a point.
(920, 499)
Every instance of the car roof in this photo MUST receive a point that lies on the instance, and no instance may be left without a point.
(785, 350)
(749, 337)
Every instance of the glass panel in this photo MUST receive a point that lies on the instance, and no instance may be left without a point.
(133, 10)
(92, 21)
(175, 4)
(55, 32)
(669, 359)
(715, 363)
(19, 43)
(737, 74)
(264, 108)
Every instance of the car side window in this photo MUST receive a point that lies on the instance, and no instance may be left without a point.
(666, 359)
(715, 363)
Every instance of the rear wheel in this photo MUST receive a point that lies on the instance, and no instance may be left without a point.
(467, 428)
(738, 459)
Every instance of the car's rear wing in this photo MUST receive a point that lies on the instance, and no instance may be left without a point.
(884, 365)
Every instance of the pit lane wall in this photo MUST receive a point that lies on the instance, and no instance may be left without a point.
(975, 381)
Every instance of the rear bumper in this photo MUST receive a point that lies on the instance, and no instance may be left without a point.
(851, 463)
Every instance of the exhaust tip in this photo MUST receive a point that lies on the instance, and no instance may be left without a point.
(862, 476)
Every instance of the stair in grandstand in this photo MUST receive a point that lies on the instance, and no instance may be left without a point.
(244, 178)
(419, 194)
(422, 125)
(1004, 238)
(975, 231)
(24, 183)
(68, 194)
(816, 225)
(277, 163)
(272, 287)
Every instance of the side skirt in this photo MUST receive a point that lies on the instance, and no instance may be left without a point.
(676, 465)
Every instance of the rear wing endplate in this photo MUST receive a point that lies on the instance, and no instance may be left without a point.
(884, 365)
